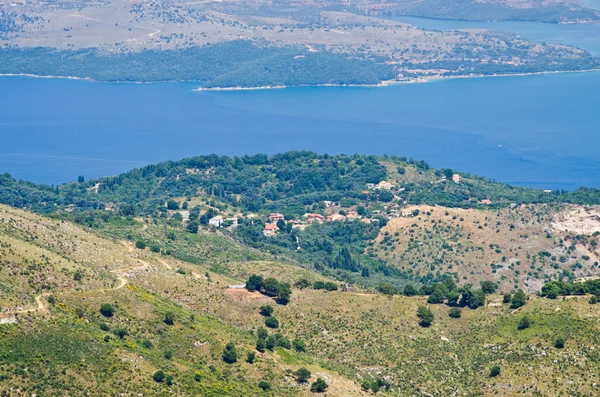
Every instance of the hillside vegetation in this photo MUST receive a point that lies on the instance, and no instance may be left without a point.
(176, 317)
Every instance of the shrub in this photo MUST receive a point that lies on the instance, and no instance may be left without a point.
(169, 318)
(262, 333)
(454, 312)
(525, 322)
(263, 384)
(168, 354)
(318, 386)
(387, 289)
(140, 244)
(261, 345)
(51, 299)
(507, 298)
(159, 376)
(593, 300)
(559, 343)
(251, 357)
(302, 375)
(147, 344)
(518, 300)
(494, 371)
(104, 327)
(169, 380)
(299, 345)
(121, 332)
(425, 315)
(230, 354)
(254, 283)
(266, 310)
(271, 322)
(155, 248)
(107, 310)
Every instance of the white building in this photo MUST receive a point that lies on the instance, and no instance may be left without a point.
(217, 221)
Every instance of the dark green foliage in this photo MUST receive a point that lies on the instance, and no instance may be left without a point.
(472, 299)
(264, 385)
(559, 342)
(271, 322)
(454, 312)
(121, 332)
(495, 371)
(593, 300)
(254, 283)
(266, 310)
(229, 354)
(51, 299)
(506, 298)
(299, 345)
(240, 63)
(262, 333)
(140, 244)
(302, 283)
(107, 310)
(488, 287)
(410, 290)
(251, 357)
(168, 354)
(518, 300)
(159, 376)
(104, 327)
(318, 386)
(172, 205)
(525, 323)
(425, 316)
(147, 344)
(387, 289)
(302, 375)
(261, 345)
(169, 318)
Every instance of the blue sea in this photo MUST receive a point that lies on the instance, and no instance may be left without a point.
(540, 130)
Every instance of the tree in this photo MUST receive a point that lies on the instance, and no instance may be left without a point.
(260, 345)
(525, 322)
(494, 371)
(192, 227)
(559, 343)
(271, 322)
(425, 315)
(230, 354)
(488, 287)
(121, 332)
(52, 300)
(107, 310)
(172, 205)
(271, 342)
(284, 291)
(410, 290)
(251, 357)
(302, 283)
(318, 386)
(454, 312)
(159, 376)
(593, 300)
(254, 283)
(266, 310)
(299, 345)
(169, 318)
(302, 375)
(387, 289)
(518, 300)
(551, 290)
(263, 384)
(262, 333)
(140, 244)
(507, 298)
(472, 299)
(452, 297)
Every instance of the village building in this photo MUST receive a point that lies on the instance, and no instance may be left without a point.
(217, 221)
(270, 229)
(406, 212)
(384, 185)
(314, 217)
(352, 216)
(486, 201)
(335, 217)
(456, 178)
(274, 217)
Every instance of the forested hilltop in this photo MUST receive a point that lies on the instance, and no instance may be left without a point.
(356, 218)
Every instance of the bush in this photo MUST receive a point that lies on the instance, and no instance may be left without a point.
(169, 318)
(266, 310)
(104, 327)
(299, 345)
(168, 354)
(261, 345)
(121, 332)
(262, 333)
(155, 248)
(593, 300)
(302, 375)
(454, 312)
(263, 384)
(318, 386)
(387, 289)
(251, 357)
(518, 300)
(507, 298)
(159, 376)
(525, 322)
(140, 244)
(51, 299)
(425, 315)
(494, 371)
(271, 322)
(107, 310)
(147, 344)
(559, 343)
(230, 354)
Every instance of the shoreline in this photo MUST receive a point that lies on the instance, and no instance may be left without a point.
(384, 83)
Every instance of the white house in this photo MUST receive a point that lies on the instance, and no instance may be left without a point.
(217, 221)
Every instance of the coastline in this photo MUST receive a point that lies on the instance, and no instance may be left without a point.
(384, 83)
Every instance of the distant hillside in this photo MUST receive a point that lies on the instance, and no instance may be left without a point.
(332, 214)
